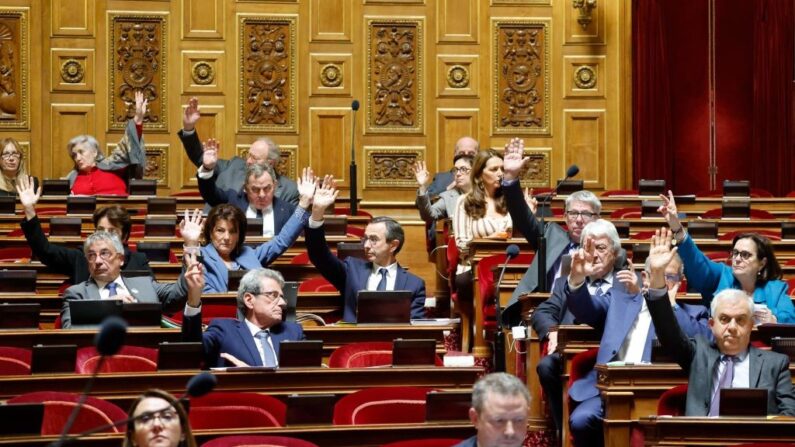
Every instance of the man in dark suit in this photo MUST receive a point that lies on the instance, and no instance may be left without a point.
(254, 340)
(383, 239)
(500, 403)
(72, 261)
(582, 207)
(256, 198)
(104, 253)
(231, 173)
(728, 361)
(613, 305)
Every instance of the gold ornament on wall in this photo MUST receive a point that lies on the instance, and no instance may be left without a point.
(458, 76)
(72, 71)
(203, 73)
(392, 166)
(14, 68)
(585, 77)
(586, 8)
(331, 75)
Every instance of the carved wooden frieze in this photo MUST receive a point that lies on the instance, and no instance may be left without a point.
(138, 63)
(14, 68)
(392, 166)
(157, 163)
(521, 65)
(267, 74)
(394, 85)
(536, 172)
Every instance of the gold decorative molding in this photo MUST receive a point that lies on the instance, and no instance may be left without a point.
(391, 166)
(536, 172)
(157, 163)
(137, 62)
(585, 77)
(585, 7)
(267, 73)
(394, 70)
(203, 73)
(458, 76)
(14, 68)
(331, 75)
(72, 71)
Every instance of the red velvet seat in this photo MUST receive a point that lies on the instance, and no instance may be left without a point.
(619, 192)
(319, 284)
(487, 280)
(221, 410)
(14, 254)
(301, 259)
(354, 231)
(14, 361)
(257, 441)
(128, 359)
(770, 234)
(382, 405)
(364, 355)
(755, 192)
(719, 256)
(673, 401)
(58, 406)
(209, 312)
(790, 285)
(630, 212)
(642, 235)
(430, 442)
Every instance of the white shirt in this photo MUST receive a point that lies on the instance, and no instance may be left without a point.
(375, 277)
(268, 223)
(254, 329)
(633, 346)
(104, 293)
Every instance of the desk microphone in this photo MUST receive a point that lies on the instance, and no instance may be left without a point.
(499, 337)
(352, 171)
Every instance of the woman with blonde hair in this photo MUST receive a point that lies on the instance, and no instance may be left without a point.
(12, 165)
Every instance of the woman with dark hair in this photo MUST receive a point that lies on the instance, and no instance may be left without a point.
(160, 420)
(12, 166)
(754, 270)
(224, 233)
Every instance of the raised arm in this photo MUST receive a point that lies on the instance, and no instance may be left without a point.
(129, 152)
(519, 206)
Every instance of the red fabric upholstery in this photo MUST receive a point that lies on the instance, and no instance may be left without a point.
(210, 312)
(582, 364)
(382, 405)
(137, 231)
(429, 442)
(257, 441)
(487, 279)
(620, 192)
(642, 235)
(718, 256)
(354, 231)
(301, 259)
(128, 359)
(13, 254)
(770, 234)
(186, 194)
(14, 361)
(673, 401)
(755, 192)
(236, 410)
(790, 285)
(58, 406)
(365, 355)
(626, 213)
(318, 284)
(717, 213)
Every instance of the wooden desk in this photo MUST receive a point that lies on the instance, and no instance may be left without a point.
(698, 431)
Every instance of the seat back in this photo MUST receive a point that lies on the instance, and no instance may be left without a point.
(582, 364)
(258, 441)
(318, 284)
(673, 401)
(382, 405)
(14, 361)
(58, 406)
(487, 278)
(221, 410)
(128, 359)
(361, 355)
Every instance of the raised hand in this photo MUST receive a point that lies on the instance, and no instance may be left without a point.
(194, 278)
(325, 195)
(210, 154)
(28, 196)
(191, 226)
(630, 281)
(191, 115)
(582, 262)
(307, 182)
(140, 107)
(660, 255)
(669, 211)
(422, 175)
(514, 159)
(532, 202)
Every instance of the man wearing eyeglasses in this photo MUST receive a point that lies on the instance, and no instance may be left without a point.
(253, 341)
(105, 255)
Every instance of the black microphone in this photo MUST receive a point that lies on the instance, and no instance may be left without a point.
(108, 341)
(199, 385)
(499, 337)
(352, 170)
(572, 171)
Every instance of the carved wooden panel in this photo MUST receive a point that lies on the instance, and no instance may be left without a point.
(72, 18)
(521, 80)
(72, 70)
(394, 68)
(331, 20)
(14, 68)
(392, 166)
(585, 145)
(288, 162)
(66, 122)
(457, 20)
(268, 74)
(330, 142)
(453, 124)
(211, 125)
(157, 163)
(202, 19)
(536, 173)
(394, 2)
(137, 62)
(457, 75)
(203, 72)
(520, 2)
(584, 76)
(331, 74)
(586, 24)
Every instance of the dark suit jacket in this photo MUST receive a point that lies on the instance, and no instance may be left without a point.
(232, 172)
(71, 261)
(350, 276)
(552, 312)
(441, 180)
(698, 358)
(233, 337)
(469, 442)
(214, 196)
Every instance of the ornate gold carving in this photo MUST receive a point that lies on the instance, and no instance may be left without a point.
(392, 166)
(137, 63)
(522, 77)
(585, 77)
(586, 14)
(157, 163)
(203, 73)
(331, 75)
(395, 84)
(536, 171)
(458, 76)
(72, 71)
(14, 67)
(267, 74)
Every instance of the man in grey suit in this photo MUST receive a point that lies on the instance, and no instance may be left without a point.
(500, 403)
(105, 255)
(728, 362)
(230, 174)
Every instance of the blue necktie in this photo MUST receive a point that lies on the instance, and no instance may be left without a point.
(268, 356)
(382, 284)
(724, 381)
(111, 288)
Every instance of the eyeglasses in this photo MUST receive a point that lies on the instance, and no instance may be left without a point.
(166, 417)
(461, 170)
(272, 295)
(372, 239)
(744, 255)
(10, 155)
(104, 254)
(586, 215)
(672, 277)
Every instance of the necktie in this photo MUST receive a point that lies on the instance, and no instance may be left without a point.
(268, 356)
(111, 289)
(552, 273)
(259, 214)
(598, 284)
(382, 284)
(724, 381)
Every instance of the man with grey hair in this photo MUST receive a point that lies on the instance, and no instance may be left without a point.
(500, 403)
(105, 255)
(230, 174)
(730, 361)
(254, 340)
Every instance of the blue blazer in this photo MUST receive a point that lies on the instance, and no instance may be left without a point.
(233, 337)
(469, 442)
(616, 313)
(350, 276)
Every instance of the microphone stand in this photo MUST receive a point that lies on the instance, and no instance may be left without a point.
(352, 170)
(499, 336)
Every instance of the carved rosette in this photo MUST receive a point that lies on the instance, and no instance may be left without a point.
(72, 71)
(522, 77)
(156, 163)
(394, 85)
(202, 73)
(392, 166)
(267, 74)
(331, 75)
(585, 77)
(458, 76)
(14, 68)
(536, 171)
(138, 63)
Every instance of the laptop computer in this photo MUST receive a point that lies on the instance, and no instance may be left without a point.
(383, 307)
(743, 402)
(300, 354)
(179, 355)
(21, 419)
(19, 315)
(48, 359)
(142, 314)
